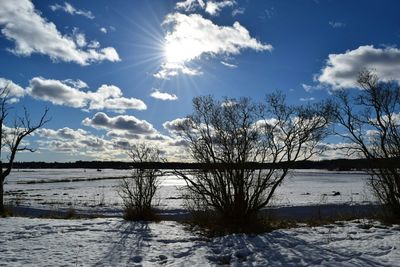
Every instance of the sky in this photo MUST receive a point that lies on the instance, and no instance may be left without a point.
(117, 72)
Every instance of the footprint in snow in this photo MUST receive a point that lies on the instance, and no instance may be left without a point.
(181, 254)
(137, 259)
(163, 259)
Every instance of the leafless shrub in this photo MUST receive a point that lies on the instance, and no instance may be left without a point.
(138, 191)
(372, 123)
(11, 137)
(231, 134)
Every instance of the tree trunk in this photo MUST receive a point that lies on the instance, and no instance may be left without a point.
(1, 197)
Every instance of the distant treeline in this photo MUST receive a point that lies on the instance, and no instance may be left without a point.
(336, 164)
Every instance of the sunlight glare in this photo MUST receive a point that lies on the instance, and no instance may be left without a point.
(181, 51)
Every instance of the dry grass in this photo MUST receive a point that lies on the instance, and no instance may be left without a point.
(8, 212)
(132, 214)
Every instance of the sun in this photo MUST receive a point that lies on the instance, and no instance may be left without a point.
(180, 51)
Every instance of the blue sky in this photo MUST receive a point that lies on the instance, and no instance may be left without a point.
(113, 72)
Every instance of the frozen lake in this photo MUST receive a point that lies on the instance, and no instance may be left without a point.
(97, 190)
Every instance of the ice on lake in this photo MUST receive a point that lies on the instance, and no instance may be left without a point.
(97, 190)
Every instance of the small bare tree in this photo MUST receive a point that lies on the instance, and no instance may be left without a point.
(11, 137)
(372, 123)
(138, 191)
(232, 133)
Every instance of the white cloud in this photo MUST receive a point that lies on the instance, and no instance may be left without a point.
(63, 133)
(341, 70)
(238, 11)
(68, 93)
(307, 99)
(75, 142)
(174, 126)
(190, 5)
(110, 97)
(157, 94)
(80, 38)
(32, 33)
(127, 123)
(94, 44)
(336, 151)
(228, 103)
(79, 142)
(309, 88)
(103, 30)
(70, 9)
(191, 36)
(170, 69)
(14, 90)
(229, 65)
(76, 83)
(56, 92)
(214, 7)
(337, 24)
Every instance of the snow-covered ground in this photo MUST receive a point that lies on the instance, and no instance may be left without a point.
(114, 242)
(81, 189)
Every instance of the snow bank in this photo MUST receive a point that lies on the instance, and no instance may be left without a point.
(114, 242)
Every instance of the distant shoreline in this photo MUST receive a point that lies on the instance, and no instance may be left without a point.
(335, 164)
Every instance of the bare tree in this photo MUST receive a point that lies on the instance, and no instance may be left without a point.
(233, 133)
(138, 191)
(372, 121)
(11, 137)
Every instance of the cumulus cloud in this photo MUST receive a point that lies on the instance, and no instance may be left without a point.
(122, 122)
(341, 70)
(56, 92)
(110, 97)
(80, 38)
(190, 5)
(76, 83)
(31, 33)
(213, 7)
(68, 93)
(14, 90)
(70, 9)
(79, 142)
(191, 36)
(173, 126)
(103, 30)
(84, 143)
(157, 94)
(63, 133)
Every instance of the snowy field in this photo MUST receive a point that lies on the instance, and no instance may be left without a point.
(96, 191)
(114, 242)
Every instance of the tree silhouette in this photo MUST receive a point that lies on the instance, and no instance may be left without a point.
(372, 121)
(235, 132)
(11, 137)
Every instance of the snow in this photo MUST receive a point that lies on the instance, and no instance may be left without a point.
(111, 241)
(76, 188)
(114, 242)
